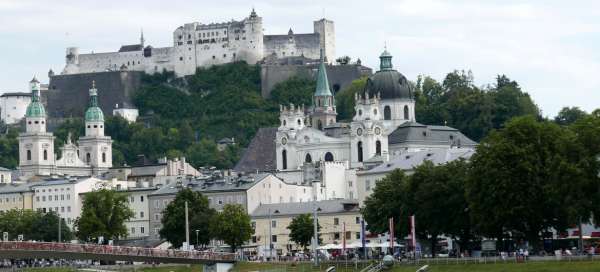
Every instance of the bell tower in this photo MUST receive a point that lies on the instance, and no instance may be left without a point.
(36, 145)
(324, 111)
(95, 148)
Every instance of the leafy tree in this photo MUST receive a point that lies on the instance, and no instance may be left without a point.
(295, 90)
(19, 221)
(46, 228)
(345, 99)
(200, 217)
(302, 230)
(567, 116)
(103, 213)
(9, 149)
(345, 60)
(232, 225)
(512, 189)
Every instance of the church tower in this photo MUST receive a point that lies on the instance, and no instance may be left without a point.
(95, 148)
(36, 145)
(324, 110)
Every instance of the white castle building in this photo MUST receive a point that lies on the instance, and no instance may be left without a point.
(201, 45)
(36, 144)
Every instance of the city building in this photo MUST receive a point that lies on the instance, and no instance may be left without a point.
(5, 175)
(129, 114)
(92, 155)
(270, 222)
(16, 196)
(65, 195)
(147, 173)
(202, 45)
(139, 225)
(249, 191)
(13, 106)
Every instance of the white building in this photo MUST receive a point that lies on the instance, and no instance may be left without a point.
(36, 144)
(139, 225)
(5, 175)
(202, 45)
(64, 196)
(13, 106)
(129, 114)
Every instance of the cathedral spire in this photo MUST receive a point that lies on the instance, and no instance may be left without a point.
(322, 82)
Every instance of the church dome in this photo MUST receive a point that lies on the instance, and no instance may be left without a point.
(94, 114)
(35, 109)
(387, 82)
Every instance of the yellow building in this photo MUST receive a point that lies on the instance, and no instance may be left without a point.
(16, 196)
(273, 220)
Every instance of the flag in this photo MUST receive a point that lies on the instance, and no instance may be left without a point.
(344, 238)
(413, 235)
(391, 226)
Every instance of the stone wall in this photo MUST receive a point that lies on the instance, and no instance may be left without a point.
(339, 76)
(68, 95)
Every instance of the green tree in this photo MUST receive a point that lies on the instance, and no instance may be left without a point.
(103, 213)
(232, 225)
(345, 99)
(302, 230)
(19, 222)
(9, 149)
(569, 115)
(200, 217)
(46, 228)
(296, 90)
(512, 188)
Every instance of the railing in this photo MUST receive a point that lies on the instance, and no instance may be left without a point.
(117, 250)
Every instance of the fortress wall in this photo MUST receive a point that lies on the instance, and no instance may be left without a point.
(68, 95)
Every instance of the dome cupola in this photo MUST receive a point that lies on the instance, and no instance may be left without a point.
(94, 113)
(387, 82)
(35, 109)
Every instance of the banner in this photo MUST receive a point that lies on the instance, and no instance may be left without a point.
(344, 238)
(413, 235)
(363, 239)
(391, 226)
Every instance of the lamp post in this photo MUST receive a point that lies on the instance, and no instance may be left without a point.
(197, 231)
(59, 229)
(315, 224)
(187, 228)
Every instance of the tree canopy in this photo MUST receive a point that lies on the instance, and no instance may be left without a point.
(232, 226)
(103, 214)
(33, 225)
(302, 230)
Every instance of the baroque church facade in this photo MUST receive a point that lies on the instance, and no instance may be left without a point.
(91, 155)
(382, 128)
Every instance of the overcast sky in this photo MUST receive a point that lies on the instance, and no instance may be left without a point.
(552, 48)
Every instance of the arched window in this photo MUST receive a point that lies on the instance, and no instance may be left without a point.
(406, 112)
(360, 151)
(45, 155)
(387, 113)
(88, 157)
(319, 125)
(328, 156)
(378, 148)
(308, 158)
(104, 157)
(28, 155)
(284, 159)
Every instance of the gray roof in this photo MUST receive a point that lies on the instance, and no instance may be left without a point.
(131, 47)
(210, 186)
(9, 188)
(15, 94)
(410, 160)
(415, 133)
(296, 208)
(50, 182)
(4, 169)
(260, 154)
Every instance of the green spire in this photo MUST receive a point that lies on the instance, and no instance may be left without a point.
(35, 108)
(322, 82)
(385, 60)
(94, 113)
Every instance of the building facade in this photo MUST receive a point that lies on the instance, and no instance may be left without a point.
(202, 45)
(139, 225)
(16, 196)
(270, 222)
(92, 155)
(13, 106)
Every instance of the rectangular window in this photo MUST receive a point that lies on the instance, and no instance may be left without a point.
(131, 198)
(62, 197)
(142, 230)
(254, 239)
(68, 196)
(336, 236)
(141, 198)
(37, 198)
(357, 220)
(156, 216)
(56, 197)
(348, 235)
(68, 208)
(132, 230)
(336, 221)
(357, 235)
(273, 224)
(273, 238)
(43, 198)
(62, 209)
(156, 204)
(141, 214)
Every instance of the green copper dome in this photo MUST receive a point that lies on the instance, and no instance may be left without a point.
(387, 82)
(94, 113)
(35, 108)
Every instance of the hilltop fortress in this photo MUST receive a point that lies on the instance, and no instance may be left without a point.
(202, 45)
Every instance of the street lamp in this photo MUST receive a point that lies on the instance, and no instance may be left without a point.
(197, 231)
